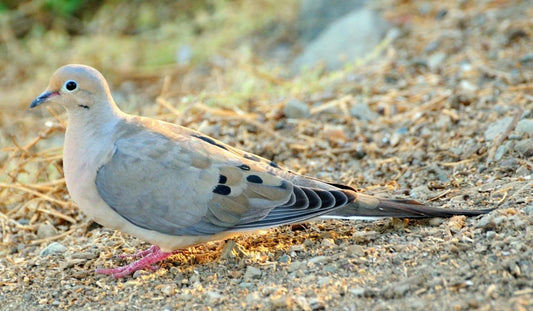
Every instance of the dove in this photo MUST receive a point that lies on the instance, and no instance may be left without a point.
(175, 187)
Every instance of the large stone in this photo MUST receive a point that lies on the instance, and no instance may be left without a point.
(316, 15)
(349, 38)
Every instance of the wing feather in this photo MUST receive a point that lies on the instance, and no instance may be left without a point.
(172, 180)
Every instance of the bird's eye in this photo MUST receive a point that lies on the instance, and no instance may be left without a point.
(71, 85)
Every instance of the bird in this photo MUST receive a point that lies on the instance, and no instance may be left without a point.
(175, 187)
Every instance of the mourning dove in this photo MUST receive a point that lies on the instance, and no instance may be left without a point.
(175, 187)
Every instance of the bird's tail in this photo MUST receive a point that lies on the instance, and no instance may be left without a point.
(365, 206)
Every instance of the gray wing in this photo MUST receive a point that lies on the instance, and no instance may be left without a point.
(184, 183)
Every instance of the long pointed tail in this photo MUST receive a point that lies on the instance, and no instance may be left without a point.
(366, 206)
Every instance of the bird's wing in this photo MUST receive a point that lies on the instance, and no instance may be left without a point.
(176, 181)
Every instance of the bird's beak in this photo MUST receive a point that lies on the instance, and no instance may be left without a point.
(43, 98)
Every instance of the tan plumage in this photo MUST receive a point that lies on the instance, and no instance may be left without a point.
(175, 187)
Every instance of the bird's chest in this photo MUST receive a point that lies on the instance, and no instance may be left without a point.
(80, 164)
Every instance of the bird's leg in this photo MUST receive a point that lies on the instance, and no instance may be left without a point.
(149, 257)
(140, 254)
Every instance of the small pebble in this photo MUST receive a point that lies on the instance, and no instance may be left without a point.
(285, 259)
(357, 291)
(486, 222)
(324, 281)
(362, 112)
(246, 285)
(355, 250)
(437, 221)
(213, 297)
(252, 298)
(525, 147)
(295, 265)
(497, 128)
(421, 192)
(365, 236)
(436, 60)
(169, 289)
(501, 151)
(53, 248)
(252, 273)
(328, 243)
(319, 259)
(525, 126)
(296, 109)
(301, 301)
(46, 230)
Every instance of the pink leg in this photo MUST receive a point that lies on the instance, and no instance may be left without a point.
(140, 254)
(149, 257)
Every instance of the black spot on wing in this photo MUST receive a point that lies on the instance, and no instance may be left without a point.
(244, 167)
(222, 189)
(273, 164)
(222, 179)
(210, 141)
(254, 179)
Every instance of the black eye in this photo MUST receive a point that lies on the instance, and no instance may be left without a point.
(71, 85)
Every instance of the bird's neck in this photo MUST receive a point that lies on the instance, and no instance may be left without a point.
(90, 130)
(97, 120)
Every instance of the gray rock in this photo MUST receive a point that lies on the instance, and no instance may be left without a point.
(252, 298)
(319, 259)
(525, 126)
(213, 297)
(468, 87)
(53, 248)
(501, 151)
(296, 109)
(432, 46)
(246, 285)
(252, 273)
(421, 192)
(357, 291)
(522, 171)
(355, 250)
(486, 222)
(528, 209)
(524, 147)
(363, 112)
(328, 243)
(295, 266)
(46, 230)
(351, 37)
(169, 289)
(285, 259)
(324, 280)
(436, 60)
(497, 128)
(316, 15)
(365, 236)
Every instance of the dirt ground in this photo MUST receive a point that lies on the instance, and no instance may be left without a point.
(442, 114)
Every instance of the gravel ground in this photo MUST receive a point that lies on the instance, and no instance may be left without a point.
(444, 116)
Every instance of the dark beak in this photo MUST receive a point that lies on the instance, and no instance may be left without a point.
(42, 98)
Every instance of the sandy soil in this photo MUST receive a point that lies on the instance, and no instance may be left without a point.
(449, 99)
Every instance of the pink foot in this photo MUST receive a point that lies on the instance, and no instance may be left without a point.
(140, 254)
(148, 258)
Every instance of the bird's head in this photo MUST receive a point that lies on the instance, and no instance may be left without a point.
(75, 87)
